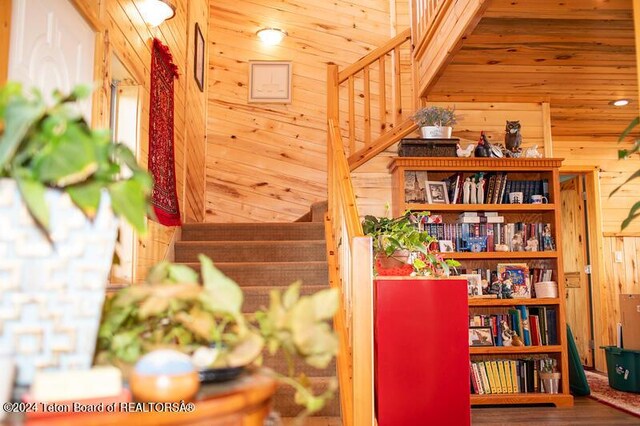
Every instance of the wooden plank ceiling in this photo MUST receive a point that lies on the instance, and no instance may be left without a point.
(576, 54)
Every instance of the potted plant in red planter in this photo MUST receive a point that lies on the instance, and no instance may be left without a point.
(402, 247)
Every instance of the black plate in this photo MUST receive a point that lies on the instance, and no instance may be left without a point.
(218, 375)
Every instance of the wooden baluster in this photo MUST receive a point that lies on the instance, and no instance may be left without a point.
(397, 101)
(367, 107)
(383, 93)
(352, 116)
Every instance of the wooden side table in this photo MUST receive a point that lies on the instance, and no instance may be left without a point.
(242, 402)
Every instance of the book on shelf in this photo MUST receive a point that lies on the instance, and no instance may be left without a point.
(506, 376)
(535, 325)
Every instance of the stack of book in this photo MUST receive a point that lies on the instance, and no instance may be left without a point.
(497, 187)
(505, 376)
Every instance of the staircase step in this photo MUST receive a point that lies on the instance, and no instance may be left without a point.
(284, 400)
(258, 296)
(253, 231)
(279, 364)
(252, 251)
(248, 274)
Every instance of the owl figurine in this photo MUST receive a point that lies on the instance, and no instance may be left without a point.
(513, 139)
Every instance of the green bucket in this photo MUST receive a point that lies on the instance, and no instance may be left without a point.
(623, 367)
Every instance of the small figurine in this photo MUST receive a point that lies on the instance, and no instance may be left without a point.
(466, 191)
(501, 247)
(480, 191)
(473, 196)
(532, 152)
(507, 334)
(513, 139)
(547, 240)
(506, 289)
(465, 152)
(532, 244)
(483, 149)
(517, 242)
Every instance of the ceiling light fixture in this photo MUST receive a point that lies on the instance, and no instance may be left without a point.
(155, 12)
(620, 102)
(271, 36)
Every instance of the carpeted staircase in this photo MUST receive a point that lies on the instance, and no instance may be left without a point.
(260, 257)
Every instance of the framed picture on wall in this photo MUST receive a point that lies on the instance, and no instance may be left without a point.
(198, 60)
(270, 82)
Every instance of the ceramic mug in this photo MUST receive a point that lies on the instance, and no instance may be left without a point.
(515, 197)
(539, 199)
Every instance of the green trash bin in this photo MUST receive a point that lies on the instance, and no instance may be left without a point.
(623, 367)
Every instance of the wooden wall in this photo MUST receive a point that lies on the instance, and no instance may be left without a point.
(372, 181)
(266, 162)
(131, 41)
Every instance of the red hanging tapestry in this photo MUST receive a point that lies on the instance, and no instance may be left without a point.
(161, 156)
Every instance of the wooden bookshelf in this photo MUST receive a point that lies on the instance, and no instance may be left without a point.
(517, 169)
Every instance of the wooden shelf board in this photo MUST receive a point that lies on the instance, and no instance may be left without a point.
(482, 207)
(513, 302)
(501, 350)
(502, 255)
(560, 400)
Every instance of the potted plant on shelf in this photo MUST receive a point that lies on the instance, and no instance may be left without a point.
(435, 122)
(402, 247)
(172, 310)
(61, 186)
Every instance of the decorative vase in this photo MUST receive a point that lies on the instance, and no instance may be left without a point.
(52, 291)
(436, 132)
(550, 382)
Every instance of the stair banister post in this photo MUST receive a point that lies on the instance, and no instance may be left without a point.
(333, 114)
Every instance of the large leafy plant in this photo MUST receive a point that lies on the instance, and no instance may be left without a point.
(404, 233)
(624, 154)
(173, 310)
(51, 146)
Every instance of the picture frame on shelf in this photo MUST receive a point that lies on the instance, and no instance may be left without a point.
(474, 284)
(436, 192)
(517, 275)
(480, 337)
(445, 246)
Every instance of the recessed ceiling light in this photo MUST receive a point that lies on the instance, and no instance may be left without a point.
(620, 102)
(271, 36)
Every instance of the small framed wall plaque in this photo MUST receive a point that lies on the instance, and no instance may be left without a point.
(270, 82)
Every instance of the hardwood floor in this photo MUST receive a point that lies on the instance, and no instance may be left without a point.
(585, 412)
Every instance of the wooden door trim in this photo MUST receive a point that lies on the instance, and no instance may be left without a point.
(596, 254)
(5, 39)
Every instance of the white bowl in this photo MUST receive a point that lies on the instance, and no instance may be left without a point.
(546, 289)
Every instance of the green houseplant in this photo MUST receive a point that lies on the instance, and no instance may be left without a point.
(435, 122)
(61, 185)
(402, 247)
(172, 310)
(624, 154)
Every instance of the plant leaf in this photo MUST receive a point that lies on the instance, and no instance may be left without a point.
(128, 199)
(182, 274)
(246, 351)
(632, 177)
(221, 292)
(633, 214)
(325, 303)
(20, 115)
(86, 196)
(629, 128)
(33, 193)
(291, 295)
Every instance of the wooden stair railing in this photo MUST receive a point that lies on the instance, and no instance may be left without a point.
(370, 94)
(350, 256)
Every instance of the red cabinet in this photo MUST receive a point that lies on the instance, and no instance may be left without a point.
(422, 352)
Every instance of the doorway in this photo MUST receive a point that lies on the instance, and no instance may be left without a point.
(577, 265)
(126, 107)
